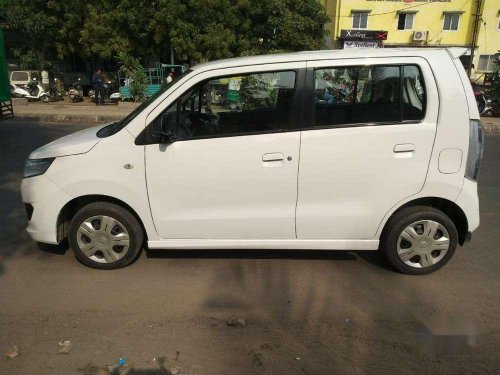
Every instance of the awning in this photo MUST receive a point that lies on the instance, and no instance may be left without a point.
(407, 11)
(361, 11)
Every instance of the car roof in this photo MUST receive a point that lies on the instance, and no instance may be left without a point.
(325, 55)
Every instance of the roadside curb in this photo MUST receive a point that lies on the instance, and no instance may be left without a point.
(491, 128)
(62, 118)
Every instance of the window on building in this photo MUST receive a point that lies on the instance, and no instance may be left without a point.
(487, 63)
(368, 95)
(359, 20)
(234, 105)
(405, 21)
(451, 21)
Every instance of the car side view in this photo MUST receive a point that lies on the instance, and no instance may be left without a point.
(330, 150)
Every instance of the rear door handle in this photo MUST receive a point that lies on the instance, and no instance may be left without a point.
(273, 156)
(405, 147)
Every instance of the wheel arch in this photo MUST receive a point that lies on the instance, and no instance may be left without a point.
(451, 209)
(71, 208)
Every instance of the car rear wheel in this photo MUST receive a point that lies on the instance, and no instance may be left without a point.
(419, 240)
(105, 236)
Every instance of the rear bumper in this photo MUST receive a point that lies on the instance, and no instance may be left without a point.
(468, 201)
(46, 200)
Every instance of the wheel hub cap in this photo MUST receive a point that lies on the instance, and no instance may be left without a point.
(103, 239)
(423, 244)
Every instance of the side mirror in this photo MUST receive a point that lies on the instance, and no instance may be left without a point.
(164, 128)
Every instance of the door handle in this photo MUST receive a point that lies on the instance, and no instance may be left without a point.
(273, 156)
(405, 147)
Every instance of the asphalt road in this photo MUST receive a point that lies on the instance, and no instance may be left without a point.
(305, 312)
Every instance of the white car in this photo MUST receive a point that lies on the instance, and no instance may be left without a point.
(331, 150)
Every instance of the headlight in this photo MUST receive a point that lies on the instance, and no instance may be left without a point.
(36, 167)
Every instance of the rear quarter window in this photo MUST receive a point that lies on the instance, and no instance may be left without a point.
(368, 95)
(19, 76)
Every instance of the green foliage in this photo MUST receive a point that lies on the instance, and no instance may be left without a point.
(138, 85)
(128, 64)
(259, 91)
(197, 30)
(495, 82)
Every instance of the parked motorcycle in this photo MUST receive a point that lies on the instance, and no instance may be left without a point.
(486, 106)
(36, 92)
(54, 93)
(109, 97)
(75, 92)
(481, 101)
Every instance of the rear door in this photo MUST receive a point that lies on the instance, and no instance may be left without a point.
(366, 144)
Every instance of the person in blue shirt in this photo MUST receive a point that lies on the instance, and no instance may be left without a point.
(97, 86)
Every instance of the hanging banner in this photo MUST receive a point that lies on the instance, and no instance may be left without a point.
(4, 77)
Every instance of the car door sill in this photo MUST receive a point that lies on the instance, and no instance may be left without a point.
(270, 244)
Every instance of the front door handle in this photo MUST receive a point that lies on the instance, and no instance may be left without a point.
(405, 147)
(273, 156)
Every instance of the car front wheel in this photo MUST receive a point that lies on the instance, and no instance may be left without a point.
(105, 236)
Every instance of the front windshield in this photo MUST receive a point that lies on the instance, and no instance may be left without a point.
(119, 125)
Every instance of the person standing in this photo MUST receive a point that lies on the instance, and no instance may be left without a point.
(97, 86)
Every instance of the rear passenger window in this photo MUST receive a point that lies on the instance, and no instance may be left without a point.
(368, 94)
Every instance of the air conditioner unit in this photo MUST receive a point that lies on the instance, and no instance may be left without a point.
(420, 35)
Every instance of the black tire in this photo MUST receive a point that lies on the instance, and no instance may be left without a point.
(125, 217)
(404, 218)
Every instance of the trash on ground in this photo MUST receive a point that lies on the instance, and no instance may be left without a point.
(65, 347)
(236, 322)
(12, 352)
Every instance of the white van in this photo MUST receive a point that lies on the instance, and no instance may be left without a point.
(330, 150)
(23, 77)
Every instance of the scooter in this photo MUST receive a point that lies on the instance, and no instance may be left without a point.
(37, 92)
(75, 92)
(486, 107)
(113, 98)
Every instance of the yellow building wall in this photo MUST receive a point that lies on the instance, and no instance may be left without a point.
(488, 41)
(429, 17)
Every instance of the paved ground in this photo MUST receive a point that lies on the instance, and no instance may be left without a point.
(305, 312)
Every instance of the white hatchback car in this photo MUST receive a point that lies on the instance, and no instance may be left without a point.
(330, 150)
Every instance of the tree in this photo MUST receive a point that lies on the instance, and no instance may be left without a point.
(494, 92)
(197, 30)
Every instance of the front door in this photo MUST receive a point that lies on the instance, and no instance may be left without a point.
(232, 172)
(367, 146)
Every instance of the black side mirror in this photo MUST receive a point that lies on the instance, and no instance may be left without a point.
(164, 128)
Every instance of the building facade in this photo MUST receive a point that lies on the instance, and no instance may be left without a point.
(419, 23)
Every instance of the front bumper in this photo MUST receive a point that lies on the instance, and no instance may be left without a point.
(46, 200)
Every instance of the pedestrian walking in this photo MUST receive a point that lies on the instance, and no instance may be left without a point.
(97, 86)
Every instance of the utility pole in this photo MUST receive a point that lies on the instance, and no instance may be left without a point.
(475, 34)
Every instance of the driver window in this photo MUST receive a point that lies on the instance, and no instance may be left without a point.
(234, 105)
